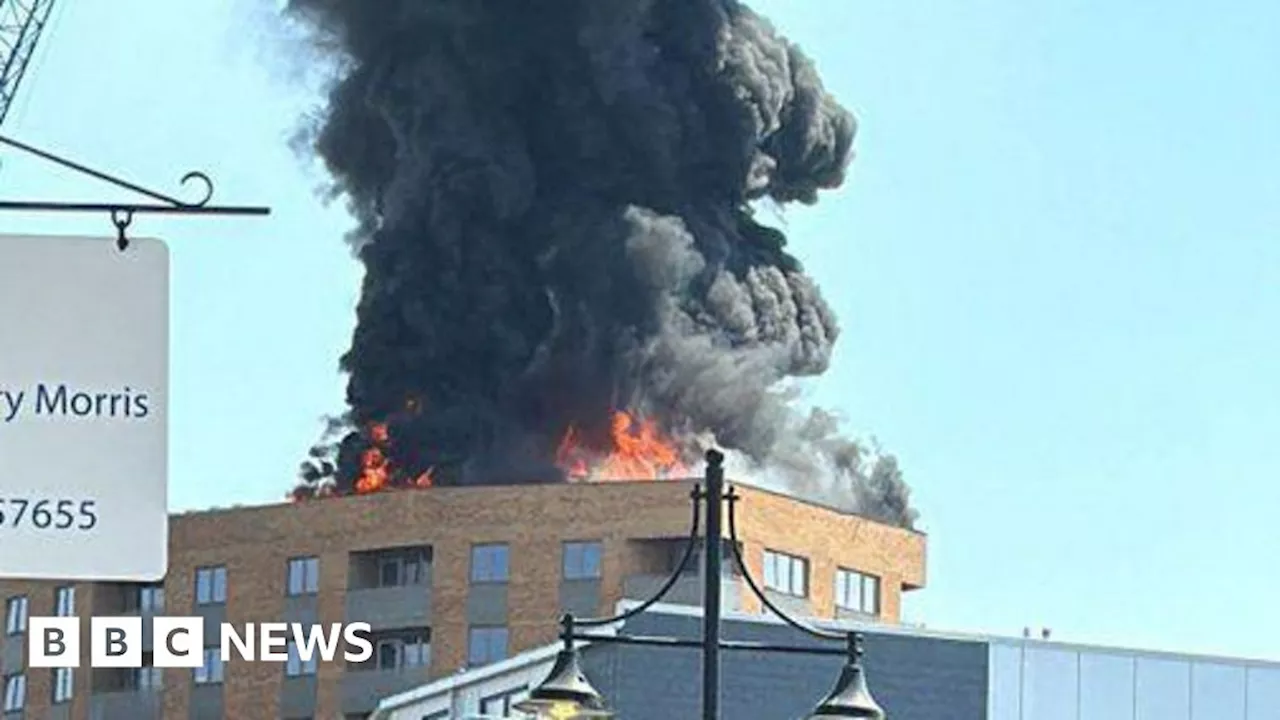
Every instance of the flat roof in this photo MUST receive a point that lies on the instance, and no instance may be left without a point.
(547, 652)
(638, 482)
(990, 639)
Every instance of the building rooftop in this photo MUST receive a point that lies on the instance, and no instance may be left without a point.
(924, 669)
(570, 487)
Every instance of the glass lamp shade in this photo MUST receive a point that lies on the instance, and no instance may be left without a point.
(559, 710)
(566, 694)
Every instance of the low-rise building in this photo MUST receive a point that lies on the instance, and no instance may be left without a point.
(449, 578)
(914, 674)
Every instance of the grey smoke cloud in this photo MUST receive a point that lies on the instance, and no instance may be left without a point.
(553, 204)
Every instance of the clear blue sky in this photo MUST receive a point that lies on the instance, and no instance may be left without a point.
(1056, 263)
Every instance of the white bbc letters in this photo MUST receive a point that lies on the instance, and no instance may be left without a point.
(115, 642)
(243, 645)
(53, 642)
(178, 641)
(275, 641)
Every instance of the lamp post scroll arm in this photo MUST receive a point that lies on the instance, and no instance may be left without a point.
(732, 498)
(695, 496)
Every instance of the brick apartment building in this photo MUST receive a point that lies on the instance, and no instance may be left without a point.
(449, 578)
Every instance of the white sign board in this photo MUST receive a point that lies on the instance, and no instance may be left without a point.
(84, 376)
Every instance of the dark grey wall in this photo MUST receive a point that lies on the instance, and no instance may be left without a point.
(913, 678)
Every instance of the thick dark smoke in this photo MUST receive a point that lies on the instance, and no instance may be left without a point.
(554, 216)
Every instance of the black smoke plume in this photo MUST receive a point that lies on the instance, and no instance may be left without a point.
(554, 204)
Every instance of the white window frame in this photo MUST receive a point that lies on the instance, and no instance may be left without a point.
(484, 567)
(148, 677)
(64, 601)
(15, 693)
(786, 573)
(408, 652)
(211, 670)
(211, 585)
(488, 633)
(857, 591)
(416, 653)
(574, 563)
(302, 576)
(64, 685)
(15, 615)
(151, 598)
(397, 650)
(396, 562)
(410, 568)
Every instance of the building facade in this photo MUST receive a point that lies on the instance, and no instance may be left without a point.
(913, 674)
(448, 578)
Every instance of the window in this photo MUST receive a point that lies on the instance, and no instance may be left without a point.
(296, 666)
(15, 616)
(582, 560)
(64, 601)
(304, 576)
(397, 569)
(63, 684)
(502, 704)
(486, 645)
(786, 573)
(857, 591)
(210, 672)
(148, 678)
(151, 598)
(211, 585)
(403, 652)
(488, 563)
(15, 693)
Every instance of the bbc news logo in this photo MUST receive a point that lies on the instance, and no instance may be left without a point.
(179, 642)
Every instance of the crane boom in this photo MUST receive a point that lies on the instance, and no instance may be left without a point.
(21, 22)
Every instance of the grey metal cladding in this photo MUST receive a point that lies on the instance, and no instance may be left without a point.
(914, 678)
(487, 604)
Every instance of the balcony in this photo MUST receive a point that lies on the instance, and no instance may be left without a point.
(686, 591)
(401, 660)
(132, 693)
(656, 559)
(118, 599)
(363, 689)
(132, 704)
(390, 588)
(298, 696)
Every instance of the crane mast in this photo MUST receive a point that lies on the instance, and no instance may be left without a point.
(21, 22)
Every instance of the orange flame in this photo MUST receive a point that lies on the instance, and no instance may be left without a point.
(640, 451)
(376, 472)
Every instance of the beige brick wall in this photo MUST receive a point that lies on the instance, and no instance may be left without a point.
(829, 540)
(255, 544)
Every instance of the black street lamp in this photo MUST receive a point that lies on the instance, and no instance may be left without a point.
(567, 694)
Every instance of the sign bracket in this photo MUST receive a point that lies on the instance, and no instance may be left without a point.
(122, 213)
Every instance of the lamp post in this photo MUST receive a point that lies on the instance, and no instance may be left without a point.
(567, 693)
